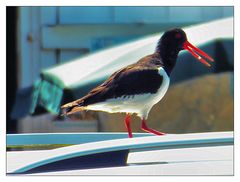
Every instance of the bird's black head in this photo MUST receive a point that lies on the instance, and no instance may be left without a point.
(173, 41)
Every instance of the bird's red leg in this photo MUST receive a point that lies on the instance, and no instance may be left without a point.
(145, 128)
(127, 124)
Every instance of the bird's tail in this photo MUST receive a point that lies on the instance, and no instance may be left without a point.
(72, 107)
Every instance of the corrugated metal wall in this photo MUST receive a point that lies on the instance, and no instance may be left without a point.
(53, 35)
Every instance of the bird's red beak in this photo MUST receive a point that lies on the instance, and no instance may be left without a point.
(197, 53)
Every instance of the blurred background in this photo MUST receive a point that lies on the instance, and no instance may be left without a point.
(45, 42)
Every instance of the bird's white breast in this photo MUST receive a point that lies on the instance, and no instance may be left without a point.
(140, 104)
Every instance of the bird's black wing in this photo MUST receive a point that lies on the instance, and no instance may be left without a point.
(129, 81)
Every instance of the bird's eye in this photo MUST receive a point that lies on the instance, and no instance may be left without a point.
(177, 35)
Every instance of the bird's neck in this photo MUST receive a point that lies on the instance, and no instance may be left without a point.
(168, 57)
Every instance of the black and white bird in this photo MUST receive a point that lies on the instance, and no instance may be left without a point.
(136, 88)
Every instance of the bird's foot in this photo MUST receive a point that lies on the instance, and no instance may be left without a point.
(149, 130)
(127, 124)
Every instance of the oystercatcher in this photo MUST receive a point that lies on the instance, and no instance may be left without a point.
(137, 87)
